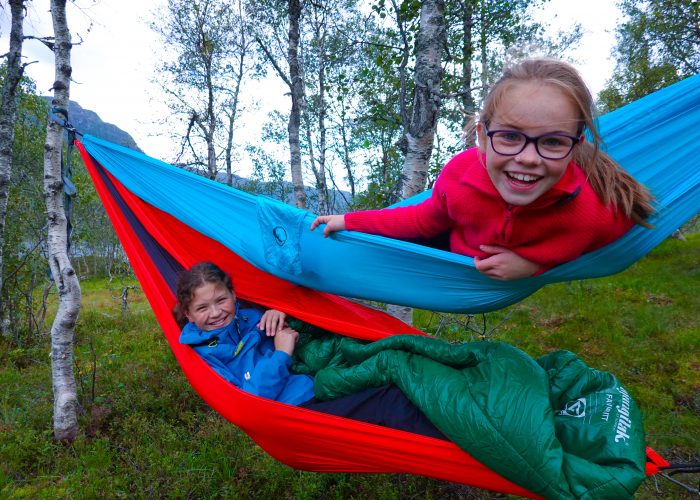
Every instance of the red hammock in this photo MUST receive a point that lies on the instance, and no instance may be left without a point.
(158, 246)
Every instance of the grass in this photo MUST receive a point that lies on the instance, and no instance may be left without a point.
(145, 433)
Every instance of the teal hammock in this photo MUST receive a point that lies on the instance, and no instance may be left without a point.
(656, 139)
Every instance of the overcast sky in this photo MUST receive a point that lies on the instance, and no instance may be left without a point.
(113, 66)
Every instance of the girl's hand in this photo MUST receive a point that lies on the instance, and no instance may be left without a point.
(333, 223)
(286, 340)
(504, 264)
(272, 321)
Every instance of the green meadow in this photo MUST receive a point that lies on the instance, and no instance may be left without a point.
(146, 434)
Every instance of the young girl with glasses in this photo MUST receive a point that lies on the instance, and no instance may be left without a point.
(534, 193)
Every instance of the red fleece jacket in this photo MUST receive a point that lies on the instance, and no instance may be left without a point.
(565, 222)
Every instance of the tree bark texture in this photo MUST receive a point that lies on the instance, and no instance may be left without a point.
(208, 122)
(324, 205)
(232, 114)
(320, 27)
(8, 112)
(65, 424)
(296, 80)
(211, 129)
(420, 133)
(420, 130)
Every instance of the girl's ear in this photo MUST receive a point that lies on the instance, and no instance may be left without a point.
(481, 136)
(187, 315)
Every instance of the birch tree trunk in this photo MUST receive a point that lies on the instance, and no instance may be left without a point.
(65, 424)
(319, 23)
(211, 130)
(324, 202)
(296, 81)
(346, 156)
(232, 114)
(207, 123)
(420, 130)
(7, 127)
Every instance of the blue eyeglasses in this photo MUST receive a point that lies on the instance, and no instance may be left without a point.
(548, 146)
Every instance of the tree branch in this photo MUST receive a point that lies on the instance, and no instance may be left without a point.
(49, 41)
(274, 62)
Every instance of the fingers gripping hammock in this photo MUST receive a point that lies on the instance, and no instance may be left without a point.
(157, 213)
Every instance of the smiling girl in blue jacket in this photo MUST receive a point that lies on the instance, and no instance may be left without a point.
(253, 350)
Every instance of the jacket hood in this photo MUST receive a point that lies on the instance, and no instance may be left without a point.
(193, 335)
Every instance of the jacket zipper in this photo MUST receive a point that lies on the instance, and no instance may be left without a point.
(507, 221)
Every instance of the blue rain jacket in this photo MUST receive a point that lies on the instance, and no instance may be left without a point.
(246, 357)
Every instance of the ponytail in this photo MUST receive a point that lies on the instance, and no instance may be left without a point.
(613, 185)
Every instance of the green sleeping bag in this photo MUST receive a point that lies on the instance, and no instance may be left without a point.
(552, 425)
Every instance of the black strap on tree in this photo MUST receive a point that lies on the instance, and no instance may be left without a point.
(69, 189)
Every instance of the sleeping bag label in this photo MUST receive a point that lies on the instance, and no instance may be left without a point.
(575, 408)
(608, 412)
(623, 421)
(599, 427)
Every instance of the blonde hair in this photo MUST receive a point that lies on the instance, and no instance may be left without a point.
(611, 183)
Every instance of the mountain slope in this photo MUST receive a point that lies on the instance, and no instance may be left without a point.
(89, 122)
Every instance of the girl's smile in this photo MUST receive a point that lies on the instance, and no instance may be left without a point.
(534, 109)
(213, 306)
(524, 181)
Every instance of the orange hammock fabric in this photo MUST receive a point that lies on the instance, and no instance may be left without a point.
(158, 245)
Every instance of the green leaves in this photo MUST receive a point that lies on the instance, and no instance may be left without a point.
(656, 46)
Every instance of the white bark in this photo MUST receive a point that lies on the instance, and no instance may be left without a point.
(62, 331)
(210, 128)
(232, 113)
(420, 132)
(243, 44)
(7, 126)
(319, 24)
(296, 80)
